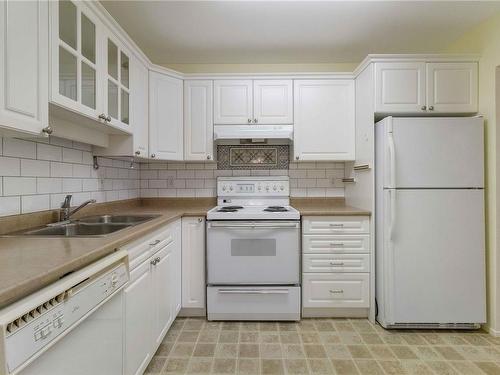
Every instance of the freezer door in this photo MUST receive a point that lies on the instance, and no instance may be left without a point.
(434, 153)
(434, 262)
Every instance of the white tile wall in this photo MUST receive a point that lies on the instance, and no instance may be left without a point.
(321, 179)
(36, 176)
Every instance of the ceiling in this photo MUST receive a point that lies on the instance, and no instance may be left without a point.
(211, 32)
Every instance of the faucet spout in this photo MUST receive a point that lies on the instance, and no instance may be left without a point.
(67, 212)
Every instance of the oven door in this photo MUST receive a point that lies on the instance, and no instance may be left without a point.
(253, 252)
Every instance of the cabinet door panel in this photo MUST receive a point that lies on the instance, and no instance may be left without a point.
(24, 65)
(193, 262)
(162, 288)
(233, 102)
(138, 322)
(273, 101)
(176, 271)
(400, 87)
(324, 119)
(139, 116)
(198, 120)
(452, 87)
(166, 117)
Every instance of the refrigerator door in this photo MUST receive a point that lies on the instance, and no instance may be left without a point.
(434, 259)
(433, 152)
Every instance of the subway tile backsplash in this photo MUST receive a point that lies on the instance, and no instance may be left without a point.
(37, 175)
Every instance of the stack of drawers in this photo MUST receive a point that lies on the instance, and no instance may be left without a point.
(335, 265)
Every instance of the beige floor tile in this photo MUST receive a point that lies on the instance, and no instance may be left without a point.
(315, 351)
(466, 368)
(306, 325)
(176, 366)
(393, 339)
(337, 352)
(403, 352)
(392, 367)
(268, 326)
(248, 351)
(362, 326)
(454, 339)
(271, 351)
(228, 337)
(194, 324)
(249, 326)
(433, 338)
(230, 326)
(473, 339)
(441, 367)
(310, 337)
(188, 336)
(448, 353)
(489, 368)
(344, 326)
(182, 350)
(427, 353)
(156, 365)
(200, 366)
(171, 335)
(351, 338)
(414, 339)
(212, 325)
(296, 366)
(345, 367)
(164, 349)
(204, 350)
(359, 351)
(416, 367)
(226, 350)
(324, 326)
(269, 337)
(248, 366)
(249, 337)
(290, 338)
(271, 366)
(320, 366)
(368, 367)
(224, 366)
(381, 352)
(293, 351)
(208, 336)
(287, 327)
(329, 338)
(371, 338)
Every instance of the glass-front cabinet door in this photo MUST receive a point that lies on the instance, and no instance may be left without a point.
(117, 90)
(75, 58)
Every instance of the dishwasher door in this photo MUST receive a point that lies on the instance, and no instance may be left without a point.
(94, 347)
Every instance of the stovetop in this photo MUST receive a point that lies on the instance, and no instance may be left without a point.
(254, 212)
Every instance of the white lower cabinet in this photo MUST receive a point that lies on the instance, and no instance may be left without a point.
(193, 263)
(336, 266)
(152, 296)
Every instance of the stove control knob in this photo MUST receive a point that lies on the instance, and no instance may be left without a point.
(259, 188)
(275, 188)
(224, 188)
(282, 188)
(231, 187)
(267, 187)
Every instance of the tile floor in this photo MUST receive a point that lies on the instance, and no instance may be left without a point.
(321, 346)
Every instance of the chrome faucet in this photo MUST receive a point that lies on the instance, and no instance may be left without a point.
(67, 212)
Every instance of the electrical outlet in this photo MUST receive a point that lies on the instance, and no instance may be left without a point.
(170, 182)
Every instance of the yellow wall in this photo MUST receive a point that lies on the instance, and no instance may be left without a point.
(261, 68)
(485, 40)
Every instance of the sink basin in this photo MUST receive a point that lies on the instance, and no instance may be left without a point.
(116, 219)
(77, 229)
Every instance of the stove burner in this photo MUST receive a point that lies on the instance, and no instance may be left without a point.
(229, 208)
(276, 209)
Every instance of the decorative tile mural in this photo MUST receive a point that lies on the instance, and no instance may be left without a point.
(253, 157)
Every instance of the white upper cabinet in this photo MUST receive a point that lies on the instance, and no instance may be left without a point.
(426, 87)
(23, 66)
(233, 102)
(273, 102)
(165, 117)
(198, 120)
(452, 87)
(324, 119)
(139, 100)
(261, 102)
(76, 58)
(400, 87)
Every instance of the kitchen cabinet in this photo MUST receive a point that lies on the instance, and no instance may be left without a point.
(163, 298)
(176, 270)
(324, 127)
(198, 120)
(336, 266)
(262, 102)
(165, 117)
(23, 66)
(425, 87)
(193, 263)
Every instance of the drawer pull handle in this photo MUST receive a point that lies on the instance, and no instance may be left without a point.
(154, 243)
(253, 291)
(337, 225)
(337, 264)
(336, 291)
(338, 244)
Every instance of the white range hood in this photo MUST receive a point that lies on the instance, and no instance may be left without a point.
(253, 132)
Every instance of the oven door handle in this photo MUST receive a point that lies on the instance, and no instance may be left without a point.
(255, 225)
(253, 291)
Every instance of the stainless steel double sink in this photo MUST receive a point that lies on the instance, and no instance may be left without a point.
(91, 226)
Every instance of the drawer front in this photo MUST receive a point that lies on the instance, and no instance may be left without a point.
(335, 244)
(336, 290)
(253, 303)
(336, 263)
(336, 225)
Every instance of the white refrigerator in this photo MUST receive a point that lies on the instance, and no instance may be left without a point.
(430, 223)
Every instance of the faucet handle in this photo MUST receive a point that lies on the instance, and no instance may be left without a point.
(67, 201)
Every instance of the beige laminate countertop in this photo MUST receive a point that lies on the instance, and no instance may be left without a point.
(27, 264)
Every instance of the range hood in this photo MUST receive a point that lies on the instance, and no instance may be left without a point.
(253, 132)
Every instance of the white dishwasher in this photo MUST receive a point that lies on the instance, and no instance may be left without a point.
(72, 327)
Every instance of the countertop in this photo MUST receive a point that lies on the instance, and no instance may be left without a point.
(29, 264)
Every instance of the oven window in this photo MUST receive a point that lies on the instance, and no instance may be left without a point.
(253, 248)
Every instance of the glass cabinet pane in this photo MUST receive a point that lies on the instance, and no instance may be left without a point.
(88, 86)
(112, 100)
(124, 107)
(67, 23)
(67, 74)
(112, 59)
(88, 38)
(124, 65)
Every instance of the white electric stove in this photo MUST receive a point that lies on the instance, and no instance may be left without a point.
(253, 251)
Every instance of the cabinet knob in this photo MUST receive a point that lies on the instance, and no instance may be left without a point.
(137, 152)
(153, 155)
(431, 108)
(209, 157)
(249, 120)
(157, 259)
(423, 108)
(255, 120)
(102, 116)
(48, 130)
(296, 158)
(108, 119)
(153, 262)
(200, 220)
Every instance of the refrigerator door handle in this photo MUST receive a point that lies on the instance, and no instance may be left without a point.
(392, 193)
(392, 160)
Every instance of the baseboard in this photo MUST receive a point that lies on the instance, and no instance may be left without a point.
(193, 312)
(338, 312)
(494, 332)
